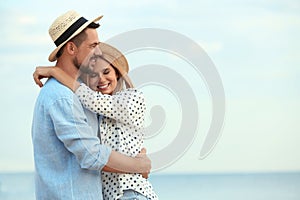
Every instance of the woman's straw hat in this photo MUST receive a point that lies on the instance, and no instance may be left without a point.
(65, 27)
(118, 61)
(114, 57)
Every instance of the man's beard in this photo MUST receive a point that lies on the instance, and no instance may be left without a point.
(81, 67)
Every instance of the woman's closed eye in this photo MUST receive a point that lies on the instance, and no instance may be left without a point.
(106, 71)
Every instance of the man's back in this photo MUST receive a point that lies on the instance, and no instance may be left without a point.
(66, 147)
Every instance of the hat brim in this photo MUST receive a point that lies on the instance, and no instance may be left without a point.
(114, 57)
(52, 56)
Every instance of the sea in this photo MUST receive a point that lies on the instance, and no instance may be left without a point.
(228, 186)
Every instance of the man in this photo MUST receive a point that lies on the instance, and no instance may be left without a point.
(67, 152)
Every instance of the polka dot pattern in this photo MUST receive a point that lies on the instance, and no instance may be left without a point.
(122, 128)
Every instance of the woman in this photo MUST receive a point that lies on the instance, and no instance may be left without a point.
(122, 111)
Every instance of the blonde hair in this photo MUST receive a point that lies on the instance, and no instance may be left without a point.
(124, 82)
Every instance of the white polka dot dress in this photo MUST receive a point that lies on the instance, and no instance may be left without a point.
(122, 128)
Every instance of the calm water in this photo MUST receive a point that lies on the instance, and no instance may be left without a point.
(271, 186)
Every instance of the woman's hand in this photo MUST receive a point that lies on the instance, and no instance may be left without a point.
(42, 72)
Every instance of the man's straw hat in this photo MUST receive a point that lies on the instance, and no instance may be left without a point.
(65, 27)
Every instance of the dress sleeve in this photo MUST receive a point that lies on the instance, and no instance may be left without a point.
(127, 106)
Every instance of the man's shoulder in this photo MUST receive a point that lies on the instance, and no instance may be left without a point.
(54, 86)
(54, 90)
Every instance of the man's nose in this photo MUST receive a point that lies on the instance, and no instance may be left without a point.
(98, 51)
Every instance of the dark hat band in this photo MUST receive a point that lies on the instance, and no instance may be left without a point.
(74, 27)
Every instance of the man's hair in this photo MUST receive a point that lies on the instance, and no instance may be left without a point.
(78, 39)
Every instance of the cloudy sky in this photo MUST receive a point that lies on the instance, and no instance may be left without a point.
(254, 46)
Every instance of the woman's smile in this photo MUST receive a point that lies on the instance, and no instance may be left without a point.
(103, 86)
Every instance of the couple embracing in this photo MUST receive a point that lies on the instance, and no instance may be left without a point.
(88, 122)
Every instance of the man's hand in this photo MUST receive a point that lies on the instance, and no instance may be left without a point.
(143, 155)
(139, 164)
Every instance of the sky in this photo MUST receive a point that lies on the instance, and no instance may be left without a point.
(253, 45)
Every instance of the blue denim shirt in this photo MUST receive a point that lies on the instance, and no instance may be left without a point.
(67, 152)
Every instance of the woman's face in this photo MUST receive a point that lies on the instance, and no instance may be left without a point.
(103, 78)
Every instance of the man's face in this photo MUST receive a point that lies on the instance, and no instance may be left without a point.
(88, 49)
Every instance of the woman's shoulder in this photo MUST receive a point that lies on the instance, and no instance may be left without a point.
(130, 92)
(132, 95)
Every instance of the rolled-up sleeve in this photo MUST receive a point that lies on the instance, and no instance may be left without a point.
(72, 129)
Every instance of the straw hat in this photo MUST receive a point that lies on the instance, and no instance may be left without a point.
(114, 57)
(119, 61)
(65, 27)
